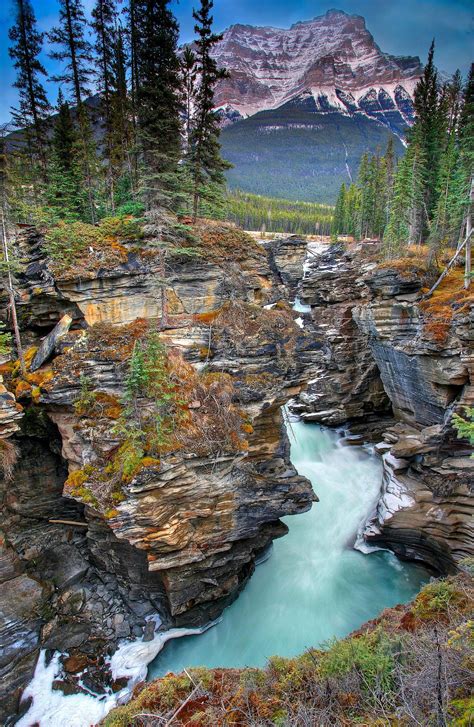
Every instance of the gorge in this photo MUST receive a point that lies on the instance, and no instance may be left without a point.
(96, 561)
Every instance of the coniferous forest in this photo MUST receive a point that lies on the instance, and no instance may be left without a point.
(147, 138)
(423, 197)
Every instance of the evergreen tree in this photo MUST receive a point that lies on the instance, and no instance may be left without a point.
(404, 225)
(189, 75)
(205, 158)
(366, 200)
(429, 130)
(75, 51)
(351, 210)
(65, 193)
(338, 223)
(110, 73)
(158, 92)
(33, 103)
(448, 214)
(389, 178)
(466, 125)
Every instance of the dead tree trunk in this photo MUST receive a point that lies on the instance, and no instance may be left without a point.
(11, 295)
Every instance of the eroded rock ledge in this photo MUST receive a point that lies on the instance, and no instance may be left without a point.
(94, 553)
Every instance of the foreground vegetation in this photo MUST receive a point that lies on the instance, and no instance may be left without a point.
(411, 666)
(255, 212)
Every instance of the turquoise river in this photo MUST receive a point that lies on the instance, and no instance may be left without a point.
(315, 586)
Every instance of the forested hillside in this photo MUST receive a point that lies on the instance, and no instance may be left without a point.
(269, 214)
(295, 153)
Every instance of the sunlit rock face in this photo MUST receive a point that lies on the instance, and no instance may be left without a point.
(427, 379)
(333, 59)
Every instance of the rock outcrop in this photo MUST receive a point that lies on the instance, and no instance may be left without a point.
(344, 381)
(427, 506)
(95, 552)
(383, 350)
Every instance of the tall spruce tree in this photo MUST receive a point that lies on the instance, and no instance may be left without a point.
(158, 100)
(338, 222)
(405, 222)
(189, 74)
(66, 195)
(76, 53)
(33, 107)
(429, 130)
(110, 74)
(206, 163)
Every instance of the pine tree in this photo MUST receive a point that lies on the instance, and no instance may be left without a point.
(33, 103)
(65, 193)
(429, 129)
(366, 201)
(404, 225)
(189, 76)
(205, 158)
(158, 90)
(123, 136)
(338, 226)
(76, 52)
(351, 210)
(466, 125)
(390, 173)
(110, 76)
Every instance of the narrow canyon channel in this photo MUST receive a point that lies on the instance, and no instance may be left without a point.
(315, 586)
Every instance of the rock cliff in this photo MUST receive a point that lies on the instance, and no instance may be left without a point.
(386, 348)
(100, 533)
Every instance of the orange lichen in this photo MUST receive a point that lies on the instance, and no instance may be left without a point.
(150, 462)
(208, 317)
(29, 355)
(449, 299)
(75, 479)
(22, 388)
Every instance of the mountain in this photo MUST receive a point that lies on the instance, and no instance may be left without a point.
(321, 84)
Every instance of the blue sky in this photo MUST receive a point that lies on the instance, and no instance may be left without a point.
(402, 28)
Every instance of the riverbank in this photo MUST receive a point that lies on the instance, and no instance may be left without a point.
(412, 665)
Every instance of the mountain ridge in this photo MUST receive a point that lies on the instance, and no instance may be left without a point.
(333, 56)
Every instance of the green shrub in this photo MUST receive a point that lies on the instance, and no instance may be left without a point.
(435, 599)
(370, 655)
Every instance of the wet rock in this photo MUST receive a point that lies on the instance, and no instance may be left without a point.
(66, 687)
(75, 663)
(62, 635)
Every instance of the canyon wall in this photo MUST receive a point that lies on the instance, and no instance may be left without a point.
(383, 350)
(92, 553)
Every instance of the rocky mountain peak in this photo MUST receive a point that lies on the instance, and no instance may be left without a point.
(333, 56)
